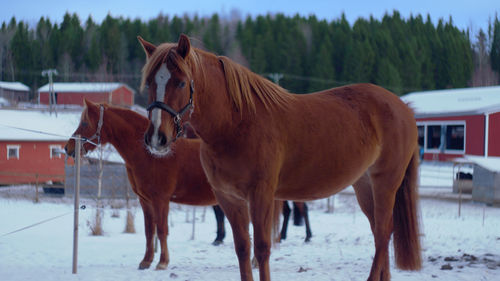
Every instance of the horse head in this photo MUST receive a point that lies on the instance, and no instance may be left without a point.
(89, 128)
(169, 82)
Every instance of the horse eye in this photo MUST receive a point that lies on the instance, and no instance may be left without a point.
(182, 84)
(84, 124)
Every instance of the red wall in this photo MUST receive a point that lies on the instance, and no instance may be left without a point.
(474, 136)
(120, 96)
(34, 158)
(74, 98)
(494, 135)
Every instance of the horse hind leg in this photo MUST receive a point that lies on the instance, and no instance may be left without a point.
(385, 184)
(363, 190)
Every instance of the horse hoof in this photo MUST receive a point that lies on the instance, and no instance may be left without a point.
(307, 240)
(217, 242)
(161, 266)
(144, 265)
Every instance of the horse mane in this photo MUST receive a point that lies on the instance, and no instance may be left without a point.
(243, 85)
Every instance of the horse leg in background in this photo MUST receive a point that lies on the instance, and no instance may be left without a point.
(149, 228)
(302, 209)
(236, 211)
(221, 231)
(286, 216)
(162, 229)
(298, 214)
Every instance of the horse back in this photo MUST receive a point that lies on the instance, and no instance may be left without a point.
(334, 136)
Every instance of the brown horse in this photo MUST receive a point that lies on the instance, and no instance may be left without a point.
(260, 143)
(178, 177)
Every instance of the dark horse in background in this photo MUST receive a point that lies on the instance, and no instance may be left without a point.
(261, 144)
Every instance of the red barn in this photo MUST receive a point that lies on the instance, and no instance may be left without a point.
(28, 156)
(14, 92)
(74, 93)
(457, 122)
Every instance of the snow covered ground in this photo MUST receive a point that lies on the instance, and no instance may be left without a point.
(454, 248)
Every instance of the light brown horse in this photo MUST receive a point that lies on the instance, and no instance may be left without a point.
(261, 143)
(177, 177)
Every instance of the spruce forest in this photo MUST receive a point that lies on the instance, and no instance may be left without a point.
(302, 54)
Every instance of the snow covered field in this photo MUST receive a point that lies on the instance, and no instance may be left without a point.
(454, 248)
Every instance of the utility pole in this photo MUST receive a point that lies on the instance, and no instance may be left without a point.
(276, 77)
(52, 96)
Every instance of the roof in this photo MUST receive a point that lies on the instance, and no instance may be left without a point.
(62, 87)
(14, 86)
(453, 102)
(489, 163)
(25, 125)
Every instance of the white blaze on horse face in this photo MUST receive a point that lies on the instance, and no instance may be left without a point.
(161, 78)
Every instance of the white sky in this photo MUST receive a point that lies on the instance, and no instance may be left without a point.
(465, 14)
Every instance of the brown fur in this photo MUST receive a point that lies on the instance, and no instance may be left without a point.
(178, 177)
(298, 147)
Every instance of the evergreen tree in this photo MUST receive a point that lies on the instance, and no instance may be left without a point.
(495, 46)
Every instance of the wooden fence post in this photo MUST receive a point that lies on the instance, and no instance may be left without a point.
(77, 203)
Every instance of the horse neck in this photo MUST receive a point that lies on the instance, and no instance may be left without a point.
(212, 114)
(124, 130)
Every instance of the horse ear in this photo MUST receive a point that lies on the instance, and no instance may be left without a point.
(148, 47)
(184, 46)
(89, 104)
(86, 102)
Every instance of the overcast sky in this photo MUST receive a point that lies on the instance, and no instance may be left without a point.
(465, 14)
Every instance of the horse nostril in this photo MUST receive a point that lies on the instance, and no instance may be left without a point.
(146, 139)
(162, 139)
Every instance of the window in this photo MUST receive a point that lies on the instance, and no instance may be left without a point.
(421, 135)
(445, 136)
(455, 137)
(433, 137)
(13, 151)
(55, 151)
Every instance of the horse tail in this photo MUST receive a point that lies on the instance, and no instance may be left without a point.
(275, 233)
(407, 248)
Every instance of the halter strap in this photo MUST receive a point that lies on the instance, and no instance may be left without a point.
(98, 130)
(176, 114)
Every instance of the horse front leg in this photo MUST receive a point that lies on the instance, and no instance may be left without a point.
(149, 228)
(264, 212)
(162, 229)
(236, 211)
